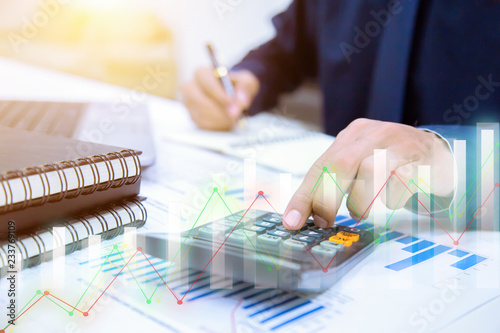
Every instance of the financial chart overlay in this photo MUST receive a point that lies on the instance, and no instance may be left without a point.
(268, 308)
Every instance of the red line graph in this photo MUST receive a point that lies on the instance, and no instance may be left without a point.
(20, 315)
(60, 300)
(213, 256)
(260, 194)
(477, 212)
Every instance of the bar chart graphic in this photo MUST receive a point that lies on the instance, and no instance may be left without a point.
(421, 250)
(269, 309)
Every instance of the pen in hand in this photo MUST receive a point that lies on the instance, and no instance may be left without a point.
(222, 73)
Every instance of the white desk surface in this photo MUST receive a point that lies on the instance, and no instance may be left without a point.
(378, 309)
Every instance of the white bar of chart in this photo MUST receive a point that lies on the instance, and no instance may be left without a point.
(59, 257)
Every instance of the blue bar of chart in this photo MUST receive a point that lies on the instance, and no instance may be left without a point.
(389, 236)
(407, 240)
(418, 258)
(418, 246)
(276, 309)
(468, 262)
(458, 253)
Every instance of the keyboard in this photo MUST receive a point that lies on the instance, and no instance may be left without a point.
(258, 249)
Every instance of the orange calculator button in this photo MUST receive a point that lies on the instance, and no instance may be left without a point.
(348, 236)
(345, 242)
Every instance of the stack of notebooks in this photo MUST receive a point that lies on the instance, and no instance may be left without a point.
(48, 181)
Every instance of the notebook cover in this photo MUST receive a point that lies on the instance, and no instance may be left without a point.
(22, 149)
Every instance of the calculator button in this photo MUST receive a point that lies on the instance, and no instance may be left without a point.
(345, 235)
(312, 233)
(310, 222)
(342, 228)
(267, 225)
(294, 246)
(305, 239)
(232, 221)
(268, 243)
(251, 214)
(216, 228)
(282, 227)
(238, 238)
(329, 245)
(272, 219)
(324, 252)
(338, 240)
(325, 232)
(258, 230)
(280, 233)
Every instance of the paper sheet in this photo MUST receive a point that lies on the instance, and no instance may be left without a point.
(270, 139)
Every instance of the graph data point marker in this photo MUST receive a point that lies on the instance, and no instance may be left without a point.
(450, 216)
(224, 189)
(411, 181)
(377, 240)
(2, 331)
(455, 243)
(71, 314)
(393, 173)
(115, 247)
(325, 169)
(497, 144)
(269, 269)
(261, 192)
(85, 314)
(459, 214)
(39, 292)
(420, 180)
(216, 189)
(158, 300)
(325, 270)
(46, 293)
(179, 302)
(125, 246)
(278, 267)
(148, 301)
(497, 184)
(139, 249)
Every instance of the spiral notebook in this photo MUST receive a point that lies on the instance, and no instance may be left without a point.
(273, 141)
(44, 178)
(108, 222)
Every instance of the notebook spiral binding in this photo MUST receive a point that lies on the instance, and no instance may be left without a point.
(59, 169)
(37, 247)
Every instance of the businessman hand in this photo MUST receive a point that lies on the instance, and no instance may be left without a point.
(351, 158)
(209, 105)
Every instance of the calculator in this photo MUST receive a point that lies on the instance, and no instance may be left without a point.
(254, 246)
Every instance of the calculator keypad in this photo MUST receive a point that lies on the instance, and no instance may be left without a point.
(268, 235)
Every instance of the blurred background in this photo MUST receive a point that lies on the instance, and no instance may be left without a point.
(120, 41)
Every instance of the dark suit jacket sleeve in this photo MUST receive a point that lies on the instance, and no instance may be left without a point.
(285, 61)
